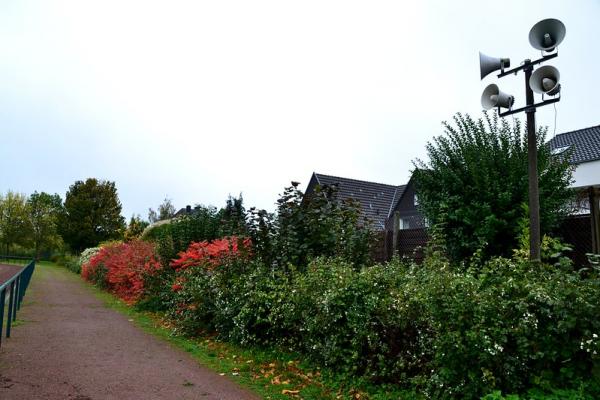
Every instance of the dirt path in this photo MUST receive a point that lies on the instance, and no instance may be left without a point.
(70, 346)
(8, 271)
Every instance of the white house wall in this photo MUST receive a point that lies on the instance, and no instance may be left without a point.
(587, 174)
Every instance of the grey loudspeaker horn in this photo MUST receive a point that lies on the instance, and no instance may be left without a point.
(489, 64)
(547, 34)
(545, 80)
(493, 97)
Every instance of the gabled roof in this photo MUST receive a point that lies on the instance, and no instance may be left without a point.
(585, 144)
(376, 199)
(398, 198)
(182, 211)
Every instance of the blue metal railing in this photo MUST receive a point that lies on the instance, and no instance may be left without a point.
(13, 289)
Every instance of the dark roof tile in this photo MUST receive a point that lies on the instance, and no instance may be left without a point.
(376, 199)
(584, 142)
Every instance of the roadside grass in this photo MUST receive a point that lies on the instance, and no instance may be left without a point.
(271, 374)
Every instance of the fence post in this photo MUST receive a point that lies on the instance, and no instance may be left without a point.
(396, 229)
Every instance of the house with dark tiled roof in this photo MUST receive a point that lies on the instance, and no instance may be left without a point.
(188, 210)
(583, 149)
(376, 199)
(391, 209)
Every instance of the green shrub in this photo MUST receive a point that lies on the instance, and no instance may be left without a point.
(307, 227)
(443, 330)
(263, 308)
(512, 326)
(203, 223)
(585, 391)
(361, 322)
(506, 325)
(476, 174)
(72, 263)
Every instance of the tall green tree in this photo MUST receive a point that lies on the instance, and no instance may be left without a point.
(306, 227)
(233, 216)
(92, 214)
(135, 227)
(166, 210)
(475, 185)
(44, 211)
(15, 227)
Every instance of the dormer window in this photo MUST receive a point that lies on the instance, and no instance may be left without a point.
(559, 150)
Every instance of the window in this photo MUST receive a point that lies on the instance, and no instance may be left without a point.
(559, 150)
(404, 223)
(411, 222)
(416, 200)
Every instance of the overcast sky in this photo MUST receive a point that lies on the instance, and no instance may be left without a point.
(196, 100)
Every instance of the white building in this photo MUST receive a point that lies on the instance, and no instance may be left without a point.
(584, 148)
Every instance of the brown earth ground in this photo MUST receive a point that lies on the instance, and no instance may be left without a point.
(8, 271)
(70, 346)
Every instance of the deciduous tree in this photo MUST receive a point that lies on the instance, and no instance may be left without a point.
(44, 211)
(92, 214)
(165, 211)
(135, 227)
(15, 227)
(475, 184)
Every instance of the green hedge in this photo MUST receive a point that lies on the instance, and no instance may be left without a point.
(447, 332)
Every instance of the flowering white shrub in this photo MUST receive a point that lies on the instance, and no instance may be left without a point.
(87, 255)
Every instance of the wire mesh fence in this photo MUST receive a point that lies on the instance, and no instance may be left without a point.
(576, 230)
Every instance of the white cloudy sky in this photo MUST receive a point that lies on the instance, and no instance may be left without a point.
(200, 99)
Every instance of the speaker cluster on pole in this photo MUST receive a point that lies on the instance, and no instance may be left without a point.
(546, 35)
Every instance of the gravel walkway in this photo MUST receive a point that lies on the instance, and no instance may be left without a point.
(70, 346)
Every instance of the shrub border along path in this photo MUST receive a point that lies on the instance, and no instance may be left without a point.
(271, 374)
(71, 346)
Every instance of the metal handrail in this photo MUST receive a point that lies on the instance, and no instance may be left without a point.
(15, 288)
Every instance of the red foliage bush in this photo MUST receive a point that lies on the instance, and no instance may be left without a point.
(212, 254)
(122, 267)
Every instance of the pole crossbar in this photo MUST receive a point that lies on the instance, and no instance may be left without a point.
(530, 108)
(527, 63)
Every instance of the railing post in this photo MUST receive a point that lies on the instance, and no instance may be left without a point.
(2, 301)
(10, 308)
(18, 293)
(16, 298)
